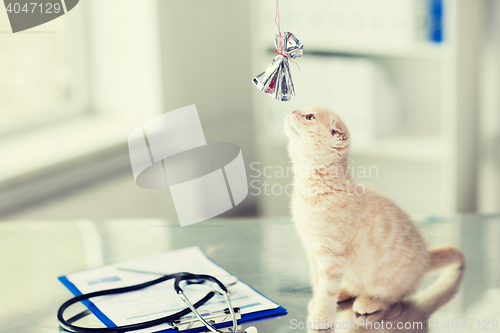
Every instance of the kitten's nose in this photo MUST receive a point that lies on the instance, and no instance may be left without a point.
(294, 112)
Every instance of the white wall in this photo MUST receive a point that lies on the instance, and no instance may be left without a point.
(489, 115)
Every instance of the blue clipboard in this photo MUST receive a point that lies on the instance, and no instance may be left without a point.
(245, 318)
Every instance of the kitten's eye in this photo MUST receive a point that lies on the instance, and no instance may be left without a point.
(310, 117)
(334, 132)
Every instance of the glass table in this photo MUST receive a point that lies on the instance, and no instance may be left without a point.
(266, 253)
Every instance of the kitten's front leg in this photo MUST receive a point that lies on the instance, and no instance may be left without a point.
(329, 272)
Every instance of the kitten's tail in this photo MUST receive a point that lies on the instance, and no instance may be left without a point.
(443, 256)
(446, 286)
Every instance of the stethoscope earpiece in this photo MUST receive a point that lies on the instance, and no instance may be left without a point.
(251, 329)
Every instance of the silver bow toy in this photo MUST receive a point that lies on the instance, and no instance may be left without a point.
(276, 80)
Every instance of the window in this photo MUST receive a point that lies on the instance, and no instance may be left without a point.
(38, 72)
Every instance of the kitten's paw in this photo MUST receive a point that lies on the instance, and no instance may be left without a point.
(365, 305)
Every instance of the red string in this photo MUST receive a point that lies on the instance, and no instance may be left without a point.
(278, 24)
(279, 50)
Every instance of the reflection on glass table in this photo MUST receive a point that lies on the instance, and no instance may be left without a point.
(265, 253)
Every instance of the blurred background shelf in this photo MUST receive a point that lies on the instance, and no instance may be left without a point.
(421, 50)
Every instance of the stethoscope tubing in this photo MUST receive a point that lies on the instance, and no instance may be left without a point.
(138, 326)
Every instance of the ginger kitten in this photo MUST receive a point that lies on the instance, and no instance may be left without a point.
(358, 245)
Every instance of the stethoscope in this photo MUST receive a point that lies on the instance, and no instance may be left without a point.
(188, 277)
